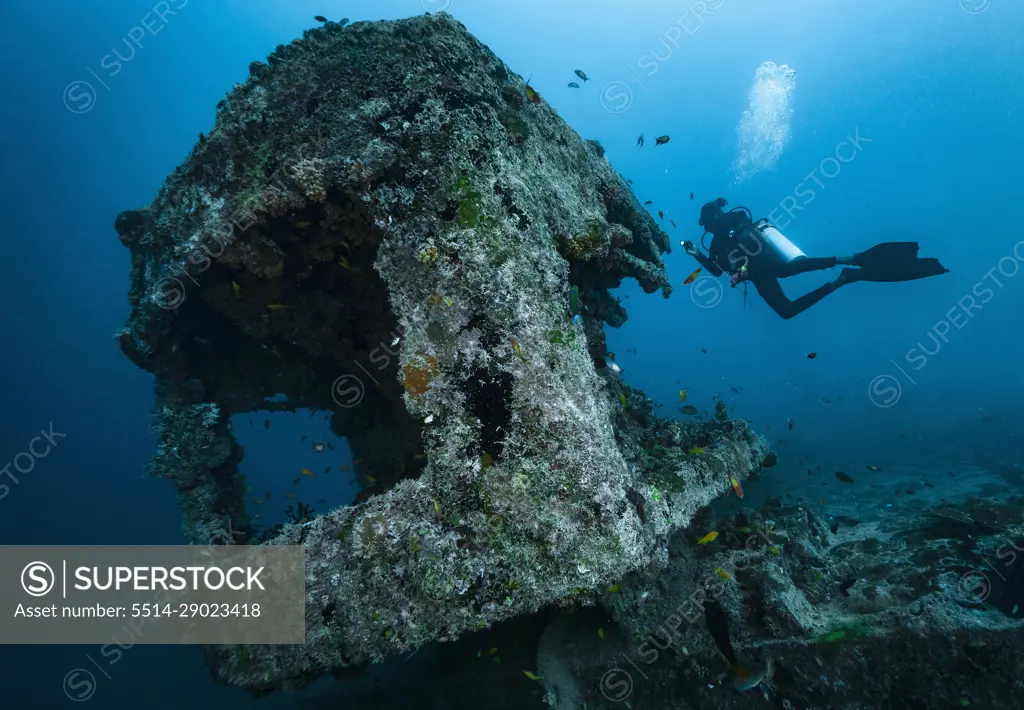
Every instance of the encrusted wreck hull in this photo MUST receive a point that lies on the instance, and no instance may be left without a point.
(388, 182)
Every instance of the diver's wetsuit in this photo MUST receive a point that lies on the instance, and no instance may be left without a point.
(764, 269)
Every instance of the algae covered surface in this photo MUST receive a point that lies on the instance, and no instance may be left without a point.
(379, 201)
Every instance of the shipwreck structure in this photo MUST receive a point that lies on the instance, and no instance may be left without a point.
(384, 225)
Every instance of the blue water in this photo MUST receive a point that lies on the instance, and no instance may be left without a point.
(933, 90)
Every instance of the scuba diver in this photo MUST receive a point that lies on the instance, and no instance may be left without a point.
(759, 253)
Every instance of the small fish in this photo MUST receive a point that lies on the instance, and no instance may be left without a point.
(307, 472)
(682, 394)
(531, 676)
(492, 651)
(320, 18)
(614, 368)
(437, 509)
(672, 223)
(735, 483)
(748, 681)
(744, 530)
(843, 477)
(614, 588)
(976, 644)
(704, 351)
(710, 537)
(692, 277)
(691, 195)
(789, 423)
(267, 496)
(809, 472)
(696, 450)
(845, 587)
(661, 215)
(649, 202)
(429, 418)
(531, 95)
(640, 141)
(486, 461)
(874, 468)
(329, 444)
(811, 356)
(256, 515)
(238, 289)
(343, 262)
(302, 225)
(600, 633)
(573, 85)
(318, 447)
(321, 501)
(581, 75)
(775, 550)
(688, 409)
(928, 485)
(303, 439)
(782, 441)
(516, 349)
(297, 480)
(661, 140)
(289, 495)
(344, 467)
(622, 400)
(835, 527)
(248, 489)
(257, 501)
(327, 470)
(723, 574)
(369, 478)
(266, 423)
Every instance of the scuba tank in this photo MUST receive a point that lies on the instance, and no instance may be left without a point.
(774, 242)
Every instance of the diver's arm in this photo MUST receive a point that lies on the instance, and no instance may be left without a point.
(706, 262)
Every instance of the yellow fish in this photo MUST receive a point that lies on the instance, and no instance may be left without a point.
(614, 588)
(723, 574)
(344, 467)
(600, 633)
(307, 472)
(437, 509)
(531, 676)
(682, 394)
(238, 289)
(710, 537)
(492, 651)
(622, 400)
(369, 478)
(485, 460)
(289, 495)
(343, 262)
(302, 225)
(696, 450)
(277, 307)
(257, 501)
(517, 350)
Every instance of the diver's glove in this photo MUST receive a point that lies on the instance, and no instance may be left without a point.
(689, 247)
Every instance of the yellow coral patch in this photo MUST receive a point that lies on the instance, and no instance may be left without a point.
(417, 375)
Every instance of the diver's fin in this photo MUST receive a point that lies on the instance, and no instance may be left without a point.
(909, 270)
(885, 253)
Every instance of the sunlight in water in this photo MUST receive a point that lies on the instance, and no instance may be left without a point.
(763, 129)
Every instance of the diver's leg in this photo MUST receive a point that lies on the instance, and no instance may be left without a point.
(803, 264)
(770, 290)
